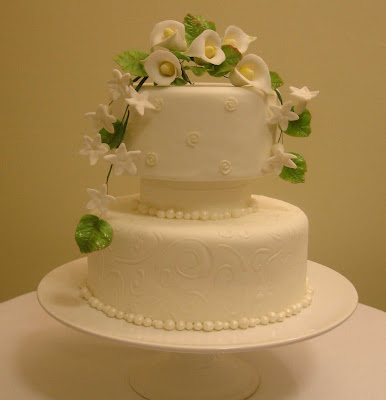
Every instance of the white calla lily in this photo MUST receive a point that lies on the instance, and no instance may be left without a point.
(169, 34)
(162, 67)
(252, 70)
(207, 46)
(236, 37)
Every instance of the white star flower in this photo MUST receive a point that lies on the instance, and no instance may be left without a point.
(119, 85)
(123, 160)
(94, 148)
(282, 115)
(236, 37)
(139, 101)
(301, 97)
(278, 160)
(99, 199)
(102, 118)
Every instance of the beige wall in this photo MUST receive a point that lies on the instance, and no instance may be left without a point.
(55, 59)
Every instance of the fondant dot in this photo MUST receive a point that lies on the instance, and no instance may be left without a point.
(138, 319)
(208, 326)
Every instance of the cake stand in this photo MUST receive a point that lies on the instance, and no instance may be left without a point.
(191, 365)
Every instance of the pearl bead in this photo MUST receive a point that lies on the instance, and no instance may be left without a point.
(250, 210)
(195, 214)
(305, 303)
(169, 325)
(281, 316)
(180, 325)
(84, 292)
(106, 309)
(147, 321)
(100, 306)
(244, 211)
(227, 214)
(179, 214)
(258, 321)
(158, 324)
(120, 314)
(170, 213)
(218, 325)
(138, 319)
(161, 214)
(129, 317)
(220, 215)
(288, 311)
(226, 325)
(308, 297)
(111, 312)
(272, 316)
(204, 215)
(189, 326)
(187, 215)
(197, 326)
(142, 208)
(152, 211)
(253, 322)
(208, 326)
(244, 323)
(214, 216)
(233, 324)
(93, 301)
(299, 307)
(264, 320)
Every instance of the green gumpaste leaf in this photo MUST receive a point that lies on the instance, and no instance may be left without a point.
(130, 61)
(179, 82)
(300, 127)
(276, 81)
(181, 56)
(93, 233)
(233, 56)
(195, 25)
(113, 139)
(198, 71)
(295, 175)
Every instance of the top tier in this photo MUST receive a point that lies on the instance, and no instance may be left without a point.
(202, 133)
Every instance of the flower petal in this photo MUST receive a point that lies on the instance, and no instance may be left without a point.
(206, 38)
(236, 37)
(176, 41)
(153, 63)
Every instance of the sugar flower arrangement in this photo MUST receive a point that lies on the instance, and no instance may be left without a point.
(176, 50)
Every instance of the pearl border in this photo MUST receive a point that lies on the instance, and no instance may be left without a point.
(207, 326)
(198, 214)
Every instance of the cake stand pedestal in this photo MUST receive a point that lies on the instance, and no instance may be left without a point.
(192, 365)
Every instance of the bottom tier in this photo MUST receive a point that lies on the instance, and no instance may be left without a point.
(194, 274)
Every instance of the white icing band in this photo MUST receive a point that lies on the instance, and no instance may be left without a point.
(207, 326)
(204, 215)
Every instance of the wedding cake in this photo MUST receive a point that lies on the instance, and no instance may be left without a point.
(196, 249)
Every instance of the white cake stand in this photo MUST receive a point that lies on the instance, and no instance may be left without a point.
(192, 365)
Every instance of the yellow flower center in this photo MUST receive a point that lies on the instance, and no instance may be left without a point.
(249, 73)
(231, 42)
(210, 51)
(167, 68)
(168, 32)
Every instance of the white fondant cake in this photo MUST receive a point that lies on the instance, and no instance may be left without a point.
(195, 249)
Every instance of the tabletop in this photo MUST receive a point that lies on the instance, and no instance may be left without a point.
(42, 359)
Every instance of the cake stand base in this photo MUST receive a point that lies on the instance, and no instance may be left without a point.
(174, 376)
(197, 365)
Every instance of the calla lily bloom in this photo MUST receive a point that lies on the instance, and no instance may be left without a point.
(236, 37)
(163, 67)
(207, 47)
(169, 34)
(252, 70)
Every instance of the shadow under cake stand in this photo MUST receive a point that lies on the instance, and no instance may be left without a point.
(191, 365)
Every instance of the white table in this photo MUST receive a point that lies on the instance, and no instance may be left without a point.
(42, 359)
